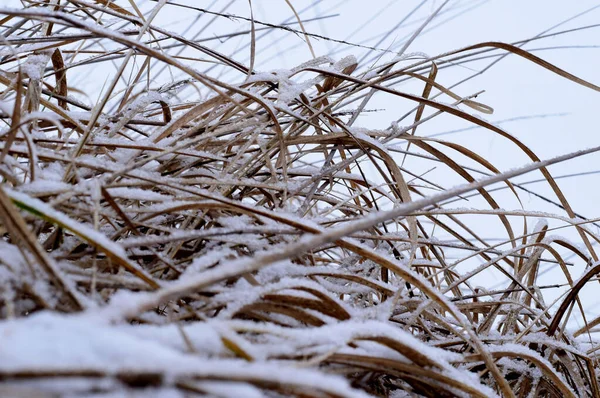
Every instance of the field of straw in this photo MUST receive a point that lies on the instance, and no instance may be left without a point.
(176, 222)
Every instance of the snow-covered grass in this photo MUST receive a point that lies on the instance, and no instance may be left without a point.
(175, 223)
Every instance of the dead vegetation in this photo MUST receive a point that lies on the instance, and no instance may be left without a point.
(252, 237)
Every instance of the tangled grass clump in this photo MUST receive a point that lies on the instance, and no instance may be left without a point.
(184, 232)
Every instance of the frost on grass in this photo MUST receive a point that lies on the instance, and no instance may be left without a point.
(206, 230)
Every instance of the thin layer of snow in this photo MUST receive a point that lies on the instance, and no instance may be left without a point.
(34, 66)
(52, 343)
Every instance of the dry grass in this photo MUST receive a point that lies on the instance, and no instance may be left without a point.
(257, 210)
